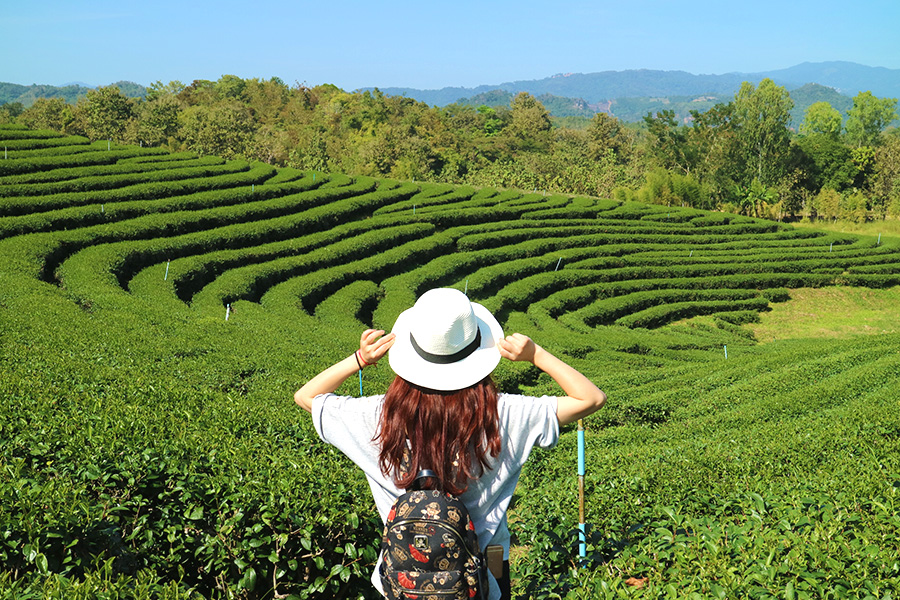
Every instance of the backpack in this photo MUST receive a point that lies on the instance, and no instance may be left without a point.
(430, 549)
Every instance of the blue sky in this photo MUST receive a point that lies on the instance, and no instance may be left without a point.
(428, 45)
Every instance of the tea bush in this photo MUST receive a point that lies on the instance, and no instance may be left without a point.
(149, 447)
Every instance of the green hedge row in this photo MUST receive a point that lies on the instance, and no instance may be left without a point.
(575, 208)
(280, 197)
(435, 196)
(98, 180)
(257, 174)
(611, 310)
(661, 315)
(169, 477)
(78, 157)
(189, 275)
(59, 151)
(32, 143)
(600, 234)
(122, 167)
(528, 202)
(109, 267)
(475, 203)
(519, 294)
(40, 255)
(26, 134)
(308, 290)
(319, 270)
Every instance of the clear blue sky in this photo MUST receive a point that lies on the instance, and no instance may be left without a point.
(428, 45)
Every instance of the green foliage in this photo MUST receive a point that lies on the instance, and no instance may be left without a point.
(106, 112)
(149, 447)
(868, 118)
(823, 119)
(499, 140)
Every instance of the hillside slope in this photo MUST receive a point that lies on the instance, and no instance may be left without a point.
(157, 311)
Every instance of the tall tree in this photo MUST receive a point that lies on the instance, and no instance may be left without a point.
(606, 133)
(9, 111)
(530, 126)
(822, 118)
(668, 141)
(713, 146)
(106, 113)
(868, 118)
(49, 113)
(224, 129)
(761, 116)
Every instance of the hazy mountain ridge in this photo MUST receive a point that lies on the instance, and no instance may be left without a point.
(634, 109)
(594, 88)
(27, 94)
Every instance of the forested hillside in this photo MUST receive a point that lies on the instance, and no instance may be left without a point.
(737, 155)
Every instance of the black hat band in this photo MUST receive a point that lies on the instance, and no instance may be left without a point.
(446, 359)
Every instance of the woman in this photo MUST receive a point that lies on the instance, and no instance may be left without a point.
(442, 411)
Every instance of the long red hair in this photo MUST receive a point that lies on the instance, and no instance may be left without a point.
(451, 433)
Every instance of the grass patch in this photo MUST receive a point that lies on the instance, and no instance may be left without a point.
(886, 227)
(833, 312)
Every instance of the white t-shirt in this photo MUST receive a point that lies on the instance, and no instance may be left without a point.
(350, 424)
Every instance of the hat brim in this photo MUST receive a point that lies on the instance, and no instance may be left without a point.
(406, 362)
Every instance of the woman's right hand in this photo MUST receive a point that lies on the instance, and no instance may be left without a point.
(373, 345)
(517, 347)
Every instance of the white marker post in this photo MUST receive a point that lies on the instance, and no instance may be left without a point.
(879, 240)
(166, 278)
(466, 292)
(726, 352)
(557, 264)
(227, 311)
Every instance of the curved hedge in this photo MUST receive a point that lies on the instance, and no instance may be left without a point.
(149, 447)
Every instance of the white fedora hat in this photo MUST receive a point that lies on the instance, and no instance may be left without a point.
(445, 342)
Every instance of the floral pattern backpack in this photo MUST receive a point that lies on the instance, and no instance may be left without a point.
(429, 549)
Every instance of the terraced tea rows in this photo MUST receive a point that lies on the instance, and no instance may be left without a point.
(214, 288)
(233, 232)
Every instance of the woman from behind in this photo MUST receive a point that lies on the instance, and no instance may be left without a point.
(442, 413)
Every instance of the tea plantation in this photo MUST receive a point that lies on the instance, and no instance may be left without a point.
(157, 312)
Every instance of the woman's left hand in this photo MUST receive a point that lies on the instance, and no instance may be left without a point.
(373, 345)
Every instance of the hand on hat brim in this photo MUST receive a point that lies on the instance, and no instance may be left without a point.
(373, 345)
(517, 347)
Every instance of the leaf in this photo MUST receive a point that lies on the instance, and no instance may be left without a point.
(248, 581)
(194, 513)
(40, 561)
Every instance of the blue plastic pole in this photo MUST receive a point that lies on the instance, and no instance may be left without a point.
(582, 547)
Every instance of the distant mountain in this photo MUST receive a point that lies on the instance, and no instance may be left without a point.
(27, 94)
(809, 94)
(846, 77)
(634, 109)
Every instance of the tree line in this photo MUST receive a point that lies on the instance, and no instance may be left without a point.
(740, 156)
